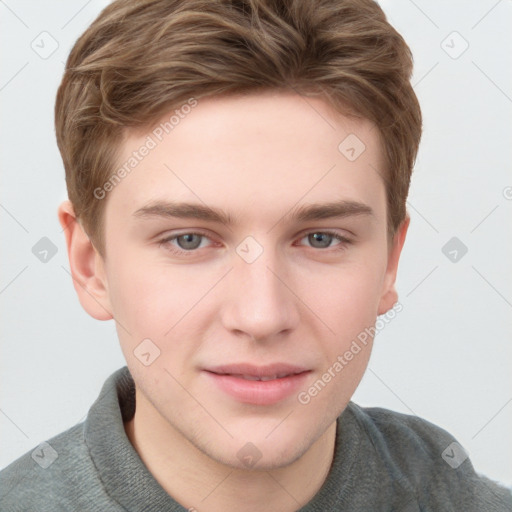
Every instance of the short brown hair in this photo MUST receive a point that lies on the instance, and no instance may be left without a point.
(139, 59)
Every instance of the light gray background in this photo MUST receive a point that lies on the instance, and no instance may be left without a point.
(446, 357)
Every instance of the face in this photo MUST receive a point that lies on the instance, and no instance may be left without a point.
(244, 255)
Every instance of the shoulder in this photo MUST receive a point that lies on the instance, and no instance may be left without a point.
(55, 475)
(429, 461)
(403, 434)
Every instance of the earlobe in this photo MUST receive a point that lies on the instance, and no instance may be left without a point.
(86, 265)
(389, 295)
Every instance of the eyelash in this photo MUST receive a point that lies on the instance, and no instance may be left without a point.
(182, 252)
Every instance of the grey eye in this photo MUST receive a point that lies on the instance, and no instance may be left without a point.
(189, 241)
(320, 240)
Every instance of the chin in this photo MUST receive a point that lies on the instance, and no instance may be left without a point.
(247, 451)
(250, 458)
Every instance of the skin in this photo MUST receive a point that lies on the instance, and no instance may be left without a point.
(258, 158)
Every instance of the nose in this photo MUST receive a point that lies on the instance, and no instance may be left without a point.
(259, 302)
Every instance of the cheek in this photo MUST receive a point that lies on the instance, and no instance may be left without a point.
(159, 303)
(139, 297)
(152, 297)
(350, 310)
(348, 301)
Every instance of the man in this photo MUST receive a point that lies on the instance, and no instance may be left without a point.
(237, 176)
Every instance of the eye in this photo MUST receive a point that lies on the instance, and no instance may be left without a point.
(324, 239)
(189, 241)
(185, 242)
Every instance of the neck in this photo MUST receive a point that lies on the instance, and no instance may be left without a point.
(200, 483)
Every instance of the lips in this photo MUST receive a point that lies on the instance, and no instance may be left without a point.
(258, 385)
(253, 372)
(263, 378)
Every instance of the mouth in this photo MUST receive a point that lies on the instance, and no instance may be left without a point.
(258, 385)
(263, 378)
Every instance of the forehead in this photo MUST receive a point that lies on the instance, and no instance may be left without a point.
(253, 156)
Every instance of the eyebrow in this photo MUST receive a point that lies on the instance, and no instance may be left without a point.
(303, 213)
(183, 211)
(337, 209)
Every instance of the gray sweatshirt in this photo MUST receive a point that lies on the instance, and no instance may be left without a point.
(383, 461)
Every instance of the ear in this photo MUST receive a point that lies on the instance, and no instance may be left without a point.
(87, 266)
(389, 295)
